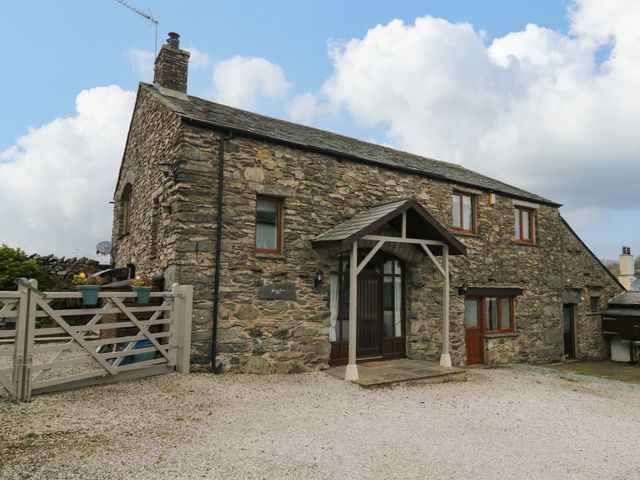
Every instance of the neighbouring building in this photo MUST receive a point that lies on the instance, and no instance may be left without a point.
(621, 319)
(274, 223)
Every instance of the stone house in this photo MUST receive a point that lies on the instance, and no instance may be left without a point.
(278, 225)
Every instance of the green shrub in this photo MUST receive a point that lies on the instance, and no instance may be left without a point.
(14, 264)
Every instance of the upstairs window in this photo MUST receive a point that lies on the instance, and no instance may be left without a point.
(463, 212)
(268, 224)
(125, 210)
(524, 225)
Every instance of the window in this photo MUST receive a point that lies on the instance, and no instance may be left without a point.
(125, 210)
(471, 313)
(594, 304)
(463, 212)
(524, 225)
(392, 298)
(155, 226)
(268, 224)
(492, 314)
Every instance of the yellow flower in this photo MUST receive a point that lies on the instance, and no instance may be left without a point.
(82, 275)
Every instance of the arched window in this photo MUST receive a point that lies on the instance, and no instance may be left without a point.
(125, 210)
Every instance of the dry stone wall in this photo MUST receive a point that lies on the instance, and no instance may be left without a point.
(56, 273)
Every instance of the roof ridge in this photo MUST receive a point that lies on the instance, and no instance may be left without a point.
(305, 136)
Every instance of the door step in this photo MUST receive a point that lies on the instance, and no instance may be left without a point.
(402, 371)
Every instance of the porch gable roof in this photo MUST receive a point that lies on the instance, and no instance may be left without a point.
(420, 224)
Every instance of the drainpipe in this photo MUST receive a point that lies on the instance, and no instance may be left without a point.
(216, 279)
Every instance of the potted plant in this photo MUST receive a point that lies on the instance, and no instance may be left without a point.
(89, 286)
(142, 289)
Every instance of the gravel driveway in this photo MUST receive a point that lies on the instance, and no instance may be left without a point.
(501, 423)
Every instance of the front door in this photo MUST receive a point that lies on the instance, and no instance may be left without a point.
(568, 322)
(369, 314)
(473, 331)
(380, 313)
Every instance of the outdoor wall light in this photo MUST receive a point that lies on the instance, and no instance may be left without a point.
(463, 289)
(317, 281)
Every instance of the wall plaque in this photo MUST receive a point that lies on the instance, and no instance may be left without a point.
(278, 291)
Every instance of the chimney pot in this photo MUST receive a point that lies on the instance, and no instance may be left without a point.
(173, 40)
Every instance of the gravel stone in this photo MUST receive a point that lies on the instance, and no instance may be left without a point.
(501, 423)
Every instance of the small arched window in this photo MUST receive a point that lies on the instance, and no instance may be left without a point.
(125, 210)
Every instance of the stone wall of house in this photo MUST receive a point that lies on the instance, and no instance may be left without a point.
(150, 165)
(584, 277)
(320, 191)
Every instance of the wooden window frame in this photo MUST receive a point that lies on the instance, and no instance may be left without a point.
(125, 210)
(532, 225)
(474, 209)
(594, 300)
(482, 315)
(279, 203)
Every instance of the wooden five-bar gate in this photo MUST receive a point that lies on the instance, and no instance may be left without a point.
(49, 341)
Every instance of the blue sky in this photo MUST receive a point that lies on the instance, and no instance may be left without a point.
(55, 50)
(67, 45)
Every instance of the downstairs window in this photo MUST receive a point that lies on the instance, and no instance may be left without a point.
(492, 314)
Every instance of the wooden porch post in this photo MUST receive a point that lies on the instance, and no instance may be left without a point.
(445, 358)
(352, 369)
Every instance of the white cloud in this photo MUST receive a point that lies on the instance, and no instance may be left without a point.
(61, 176)
(141, 63)
(197, 58)
(241, 81)
(303, 107)
(533, 107)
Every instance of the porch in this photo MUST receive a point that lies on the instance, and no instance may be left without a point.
(379, 373)
(368, 300)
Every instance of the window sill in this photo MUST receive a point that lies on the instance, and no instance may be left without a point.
(525, 244)
(270, 256)
(502, 335)
(465, 234)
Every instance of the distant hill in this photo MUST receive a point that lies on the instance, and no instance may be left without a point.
(614, 265)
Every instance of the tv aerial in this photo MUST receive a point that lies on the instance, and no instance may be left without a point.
(146, 15)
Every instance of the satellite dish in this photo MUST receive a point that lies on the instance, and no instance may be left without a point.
(103, 248)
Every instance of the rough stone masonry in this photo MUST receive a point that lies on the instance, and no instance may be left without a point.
(171, 163)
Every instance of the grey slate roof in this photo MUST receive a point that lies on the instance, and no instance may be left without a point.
(359, 221)
(241, 121)
(625, 304)
(420, 223)
(630, 298)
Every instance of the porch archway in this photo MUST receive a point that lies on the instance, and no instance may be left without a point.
(400, 221)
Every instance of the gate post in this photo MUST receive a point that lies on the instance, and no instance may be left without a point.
(19, 339)
(29, 342)
(181, 317)
(24, 339)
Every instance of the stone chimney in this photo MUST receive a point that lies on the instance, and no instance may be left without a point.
(172, 65)
(627, 268)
